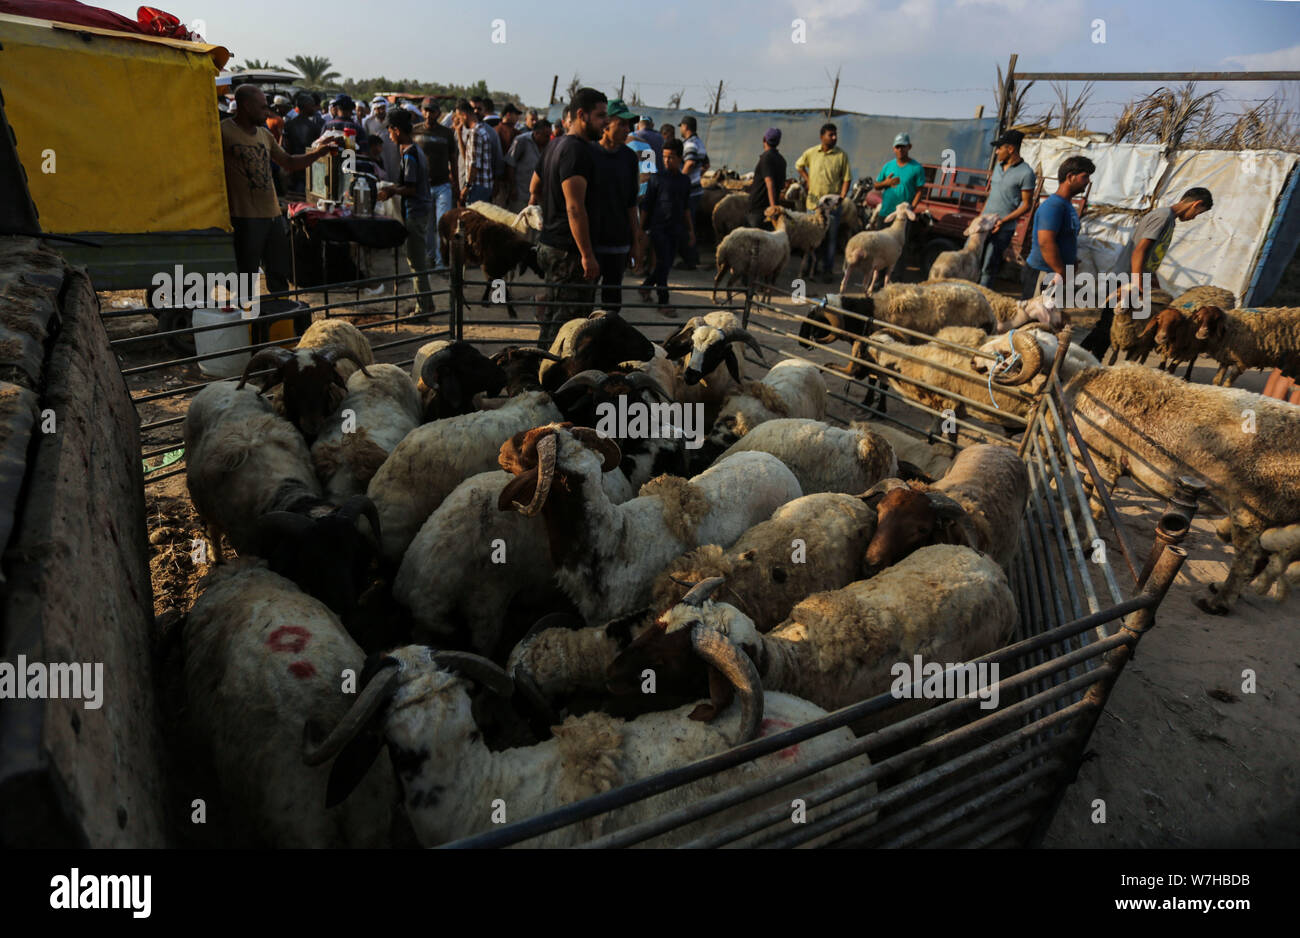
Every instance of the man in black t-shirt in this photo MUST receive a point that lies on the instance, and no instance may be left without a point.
(439, 146)
(769, 177)
(562, 184)
(615, 228)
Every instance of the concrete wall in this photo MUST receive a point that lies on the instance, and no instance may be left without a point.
(76, 574)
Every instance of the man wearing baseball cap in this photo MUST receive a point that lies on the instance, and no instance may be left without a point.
(900, 179)
(769, 177)
(343, 103)
(1011, 189)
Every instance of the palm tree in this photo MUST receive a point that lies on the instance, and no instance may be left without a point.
(257, 65)
(315, 70)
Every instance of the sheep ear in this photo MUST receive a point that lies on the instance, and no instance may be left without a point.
(720, 695)
(733, 366)
(519, 490)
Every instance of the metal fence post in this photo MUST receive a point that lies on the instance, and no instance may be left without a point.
(749, 286)
(457, 285)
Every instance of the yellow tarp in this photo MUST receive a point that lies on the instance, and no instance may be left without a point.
(129, 128)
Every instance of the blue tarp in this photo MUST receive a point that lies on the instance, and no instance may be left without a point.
(735, 139)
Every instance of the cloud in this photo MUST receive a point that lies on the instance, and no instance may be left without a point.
(1280, 59)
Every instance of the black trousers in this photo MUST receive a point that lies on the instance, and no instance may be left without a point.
(612, 267)
(264, 243)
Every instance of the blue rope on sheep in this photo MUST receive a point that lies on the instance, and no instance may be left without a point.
(1002, 364)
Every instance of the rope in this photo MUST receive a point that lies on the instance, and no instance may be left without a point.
(1002, 364)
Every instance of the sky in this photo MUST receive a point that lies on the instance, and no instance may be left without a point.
(920, 58)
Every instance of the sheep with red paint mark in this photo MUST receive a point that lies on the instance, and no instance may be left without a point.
(261, 657)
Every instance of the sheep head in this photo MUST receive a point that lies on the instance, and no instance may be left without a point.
(1210, 321)
(709, 345)
(695, 641)
(326, 555)
(1167, 327)
(981, 224)
(603, 342)
(901, 213)
(444, 703)
(909, 517)
(580, 398)
(308, 376)
(1025, 344)
(520, 366)
(455, 374)
(532, 458)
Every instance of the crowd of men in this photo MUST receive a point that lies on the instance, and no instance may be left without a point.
(615, 192)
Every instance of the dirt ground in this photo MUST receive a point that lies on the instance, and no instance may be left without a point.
(1182, 756)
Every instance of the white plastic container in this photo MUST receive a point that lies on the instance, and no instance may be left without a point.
(217, 340)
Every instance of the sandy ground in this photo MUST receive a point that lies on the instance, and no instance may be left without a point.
(1182, 755)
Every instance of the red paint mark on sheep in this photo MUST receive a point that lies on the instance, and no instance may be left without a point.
(302, 669)
(288, 638)
(770, 726)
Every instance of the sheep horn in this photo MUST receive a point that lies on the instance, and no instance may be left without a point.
(361, 505)
(591, 378)
(368, 702)
(275, 358)
(525, 352)
(945, 508)
(884, 486)
(428, 371)
(742, 335)
(644, 382)
(740, 672)
(545, 473)
(1032, 353)
(702, 590)
(488, 673)
(334, 353)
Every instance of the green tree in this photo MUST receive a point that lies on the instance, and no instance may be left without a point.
(257, 65)
(316, 71)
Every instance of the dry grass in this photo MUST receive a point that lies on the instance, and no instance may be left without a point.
(1182, 119)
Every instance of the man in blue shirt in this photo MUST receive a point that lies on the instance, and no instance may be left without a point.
(1056, 230)
(417, 202)
(900, 179)
(1011, 190)
(664, 213)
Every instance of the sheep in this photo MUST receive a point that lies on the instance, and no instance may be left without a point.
(1266, 337)
(852, 220)
(315, 373)
(965, 264)
(602, 342)
(751, 253)
(823, 458)
(711, 368)
(526, 220)
(810, 544)
(504, 559)
(922, 458)
(606, 556)
(434, 458)
(875, 251)
(1155, 428)
(791, 388)
(1283, 548)
(499, 249)
(450, 375)
(729, 214)
(920, 307)
(979, 503)
(260, 659)
(419, 704)
(807, 230)
(250, 476)
(380, 408)
(1129, 335)
(836, 648)
(1182, 330)
(792, 195)
(521, 364)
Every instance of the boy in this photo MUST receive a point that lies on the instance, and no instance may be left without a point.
(663, 210)
(413, 187)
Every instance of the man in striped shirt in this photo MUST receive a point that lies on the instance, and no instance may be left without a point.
(477, 180)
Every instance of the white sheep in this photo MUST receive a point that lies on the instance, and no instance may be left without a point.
(930, 459)
(807, 230)
(434, 458)
(791, 388)
(710, 367)
(469, 561)
(945, 603)
(526, 221)
(874, 251)
(338, 333)
(261, 659)
(965, 264)
(921, 307)
(377, 413)
(607, 555)
(752, 252)
(1011, 313)
(454, 784)
(823, 458)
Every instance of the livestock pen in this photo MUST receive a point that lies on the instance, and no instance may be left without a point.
(956, 774)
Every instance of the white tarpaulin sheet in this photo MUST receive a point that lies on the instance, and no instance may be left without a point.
(1218, 248)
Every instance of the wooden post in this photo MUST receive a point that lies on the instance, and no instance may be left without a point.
(717, 100)
(834, 92)
(621, 80)
(554, 82)
(979, 111)
(1004, 99)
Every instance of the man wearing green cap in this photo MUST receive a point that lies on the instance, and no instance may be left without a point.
(615, 227)
(900, 180)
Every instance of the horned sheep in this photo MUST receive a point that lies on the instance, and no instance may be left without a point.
(607, 555)
(791, 388)
(419, 704)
